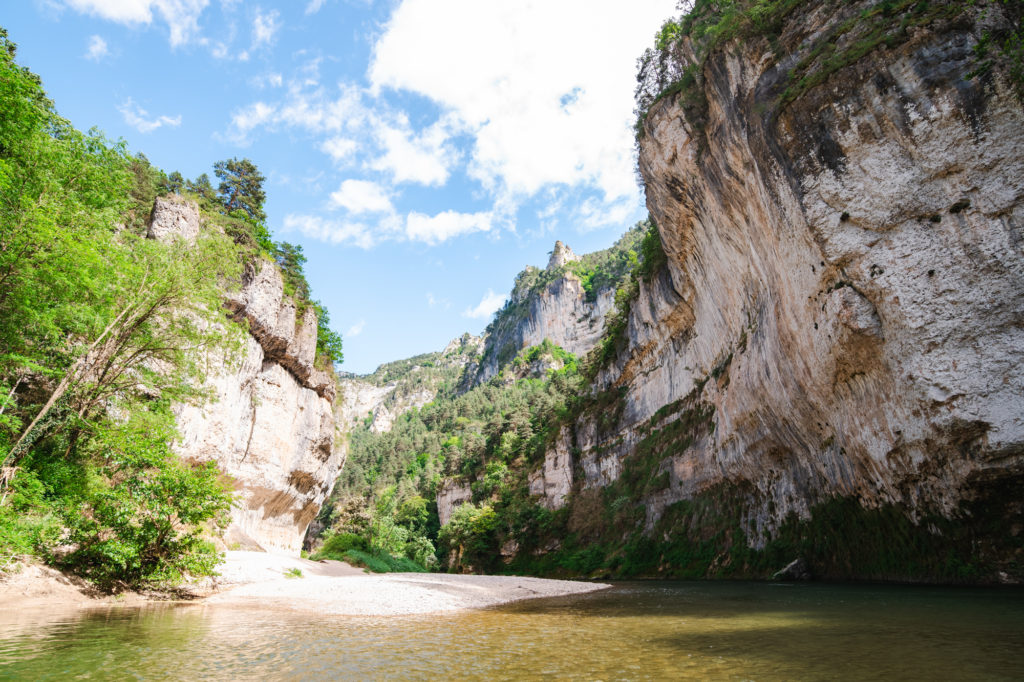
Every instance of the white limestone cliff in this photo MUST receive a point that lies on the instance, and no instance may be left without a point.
(269, 424)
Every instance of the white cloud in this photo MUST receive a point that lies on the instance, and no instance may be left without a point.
(548, 95)
(422, 158)
(489, 304)
(97, 49)
(595, 214)
(264, 27)
(356, 329)
(445, 225)
(330, 231)
(361, 196)
(181, 15)
(340, 149)
(314, 6)
(139, 118)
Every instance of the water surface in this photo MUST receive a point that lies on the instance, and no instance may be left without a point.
(635, 631)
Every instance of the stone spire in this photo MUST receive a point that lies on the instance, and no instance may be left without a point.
(561, 255)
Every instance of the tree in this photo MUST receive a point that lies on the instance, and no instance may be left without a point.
(291, 260)
(202, 188)
(101, 330)
(241, 187)
(328, 341)
(174, 183)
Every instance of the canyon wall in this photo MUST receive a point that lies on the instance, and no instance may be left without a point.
(270, 422)
(845, 280)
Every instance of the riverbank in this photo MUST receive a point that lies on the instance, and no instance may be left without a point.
(269, 581)
(257, 580)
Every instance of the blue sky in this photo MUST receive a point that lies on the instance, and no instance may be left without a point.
(422, 152)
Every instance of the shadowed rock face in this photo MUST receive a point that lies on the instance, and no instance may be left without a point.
(845, 273)
(270, 422)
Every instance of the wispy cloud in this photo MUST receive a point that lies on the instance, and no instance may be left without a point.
(97, 49)
(330, 231)
(139, 118)
(264, 27)
(181, 16)
(489, 304)
(314, 6)
(356, 329)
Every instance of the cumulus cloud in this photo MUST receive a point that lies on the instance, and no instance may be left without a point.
(445, 225)
(139, 118)
(181, 16)
(423, 158)
(356, 329)
(361, 196)
(545, 105)
(330, 231)
(595, 214)
(489, 304)
(97, 49)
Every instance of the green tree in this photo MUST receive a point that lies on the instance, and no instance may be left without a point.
(100, 331)
(175, 183)
(241, 187)
(202, 188)
(291, 260)
(328, 341)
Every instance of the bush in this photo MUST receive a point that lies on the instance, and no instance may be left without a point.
(382, 563)
(336, 546)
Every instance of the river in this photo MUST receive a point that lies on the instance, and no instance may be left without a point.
(634, 631)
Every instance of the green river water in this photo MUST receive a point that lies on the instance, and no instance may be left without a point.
(635, 631)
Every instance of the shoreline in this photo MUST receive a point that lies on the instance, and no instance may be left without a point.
(269, 581)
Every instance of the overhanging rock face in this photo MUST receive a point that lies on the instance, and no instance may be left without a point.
(845, 280)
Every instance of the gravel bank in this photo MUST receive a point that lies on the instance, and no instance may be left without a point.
(258, 580)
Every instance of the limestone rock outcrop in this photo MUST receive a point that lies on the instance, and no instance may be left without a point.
(269, 424)
(174, 218)
(845, 279)
(560, 313)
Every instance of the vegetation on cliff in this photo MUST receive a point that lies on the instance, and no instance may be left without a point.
(675, 66)
(101, 331)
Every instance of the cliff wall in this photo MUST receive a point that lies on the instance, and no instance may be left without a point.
(270, 423)
(840, 319)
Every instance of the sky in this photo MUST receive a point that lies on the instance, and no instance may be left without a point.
(422, 152)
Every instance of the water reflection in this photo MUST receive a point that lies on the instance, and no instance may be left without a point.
(634, 631)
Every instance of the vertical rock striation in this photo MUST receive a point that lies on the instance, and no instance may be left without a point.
(845, 280)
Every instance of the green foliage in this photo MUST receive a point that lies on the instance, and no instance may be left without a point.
(241, 188)
(328, 341)
(382, 563)
(470, 536)
(336, 545)
(293, 573)
(89, 310)
(666, 71)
